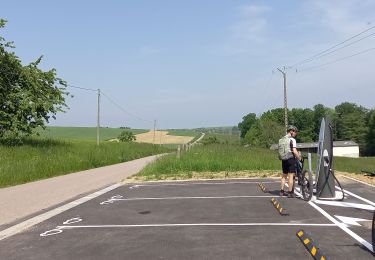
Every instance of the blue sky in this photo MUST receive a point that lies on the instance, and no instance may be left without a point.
(194, 63)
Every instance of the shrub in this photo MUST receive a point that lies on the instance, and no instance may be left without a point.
(126, 136)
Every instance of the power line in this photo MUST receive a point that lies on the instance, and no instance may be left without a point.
(349, 44)
(333, 47)
(338, 60)
(89, 89)
(124, 110)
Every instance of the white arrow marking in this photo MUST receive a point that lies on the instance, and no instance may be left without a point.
(346, 204)
(350, 220)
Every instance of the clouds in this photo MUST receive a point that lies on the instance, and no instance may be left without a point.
(342, 17)
(247, 31)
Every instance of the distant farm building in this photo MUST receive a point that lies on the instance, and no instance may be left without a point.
(340, 148)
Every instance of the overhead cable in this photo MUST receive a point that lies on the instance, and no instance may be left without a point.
(335, 61)
(124, 110)
(333, 47)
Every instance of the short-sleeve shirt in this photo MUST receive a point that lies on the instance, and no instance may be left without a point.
(293, 144)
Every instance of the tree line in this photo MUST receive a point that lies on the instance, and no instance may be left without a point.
(349, 120)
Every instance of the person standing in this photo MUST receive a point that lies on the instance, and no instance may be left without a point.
(288, 154)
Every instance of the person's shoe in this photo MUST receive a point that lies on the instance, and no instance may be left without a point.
(291, 195)
(282, 193)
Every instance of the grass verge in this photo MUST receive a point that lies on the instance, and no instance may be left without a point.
(233, 161)
(44, 158)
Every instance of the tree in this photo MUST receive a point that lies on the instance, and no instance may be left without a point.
(29, 97)
(320, 111)
(247, 122)
(126, 136)
(351, 123)
(264, 133)
(276, 115)
(370, 136)
(303, 119)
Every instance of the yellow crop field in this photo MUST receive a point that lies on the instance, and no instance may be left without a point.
(162, 137)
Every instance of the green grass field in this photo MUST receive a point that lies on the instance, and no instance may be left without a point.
(84, 133)
(229, 156)
(183, 132)
(41, 158)
(212, 158)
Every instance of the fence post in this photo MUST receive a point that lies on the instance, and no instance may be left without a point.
(178, 152)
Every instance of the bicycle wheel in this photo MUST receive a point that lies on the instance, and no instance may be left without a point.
(307, 185)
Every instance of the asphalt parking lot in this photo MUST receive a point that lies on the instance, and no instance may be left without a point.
(214, 219)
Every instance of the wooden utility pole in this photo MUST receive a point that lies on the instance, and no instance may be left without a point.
(98, 120)
(285, 99)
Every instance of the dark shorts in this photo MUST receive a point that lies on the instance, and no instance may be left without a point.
(289, 166)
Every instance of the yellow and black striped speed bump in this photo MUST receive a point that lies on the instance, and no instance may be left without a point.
(279, 207)
(262, 187)
(311, 246)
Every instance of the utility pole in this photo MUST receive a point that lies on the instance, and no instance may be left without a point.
(98, 120)
(285, 99)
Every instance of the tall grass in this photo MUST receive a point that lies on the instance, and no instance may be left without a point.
(234, 158)
(354, 165)
(43, 158)
(214, 158)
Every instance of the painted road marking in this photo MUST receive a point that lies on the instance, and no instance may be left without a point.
(345, 204)
(358, 197)
(59, 229)
(196, 183)
(42, 217)
(121, 198)
(350, 220)
(341, 225)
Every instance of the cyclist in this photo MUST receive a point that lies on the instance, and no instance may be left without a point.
(289, 163)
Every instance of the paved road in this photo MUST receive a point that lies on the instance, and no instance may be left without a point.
(19, 202)
(216, 219)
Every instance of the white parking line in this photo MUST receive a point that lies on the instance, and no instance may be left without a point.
(197, 183)
(201, 224)
(121, 198)
(59, 229)
(42, 217)
(357, 196)
(341, 225)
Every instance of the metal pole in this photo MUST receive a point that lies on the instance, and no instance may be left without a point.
(98, 120)
(285, 100)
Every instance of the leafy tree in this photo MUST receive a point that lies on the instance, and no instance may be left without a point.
(320, 111)
(275, 115)
(351, 123)
(264, 133)
(303, 119)
(29, 97)
(126, 136)
(247, 122)
(370, 136)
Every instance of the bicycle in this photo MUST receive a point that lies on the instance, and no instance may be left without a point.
(304, 180)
